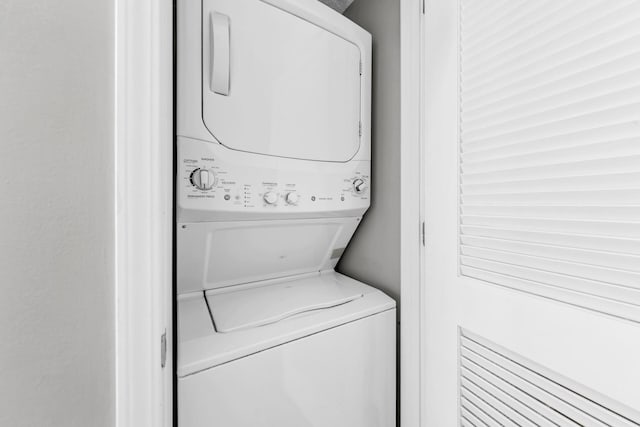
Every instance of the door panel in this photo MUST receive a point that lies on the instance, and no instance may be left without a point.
(530, 203)
(275, 84)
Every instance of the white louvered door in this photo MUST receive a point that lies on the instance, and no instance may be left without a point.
(532, 208)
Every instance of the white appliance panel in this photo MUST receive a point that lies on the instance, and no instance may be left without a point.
(237, 185)
(219, 254)
(190, 78)
(342, 377)
(276, 84)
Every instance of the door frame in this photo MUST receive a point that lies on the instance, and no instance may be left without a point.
(143, 48)
(144, 212)
(412, 217)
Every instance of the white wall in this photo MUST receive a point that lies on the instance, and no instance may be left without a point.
(56, 213)
(373, 256)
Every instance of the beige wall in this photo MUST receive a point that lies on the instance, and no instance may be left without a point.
(56, 213)
(373, 256)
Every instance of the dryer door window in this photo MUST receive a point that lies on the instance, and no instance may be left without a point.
(275, 84)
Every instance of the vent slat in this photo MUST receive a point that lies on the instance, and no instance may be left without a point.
(521, 97)
(540, 28)
(535, 25)
(478, 412)
(595, 258)
(466, 423)
(564, 281)
(558, 293)
(621, 246)
(469, 418)
(541, 394)
(506, 410)
(571, 93)
(493, 378)
(576, 270)
(598, 213)
(537, 156)
(630, 229)
(510, 399)
(602, 166)
(496, 418)
(571, 183)
(553, 112)
(501, 378)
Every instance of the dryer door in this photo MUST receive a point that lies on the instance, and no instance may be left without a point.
(276, 84)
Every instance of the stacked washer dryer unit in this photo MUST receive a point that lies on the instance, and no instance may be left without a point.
(273, 169)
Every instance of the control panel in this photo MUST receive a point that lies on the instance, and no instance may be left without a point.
(215, 182)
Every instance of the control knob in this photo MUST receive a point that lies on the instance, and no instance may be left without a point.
(359, 186)
(203, 179)
(292, 198)
(270, 197)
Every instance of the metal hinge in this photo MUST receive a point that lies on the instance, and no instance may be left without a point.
(360, 129)
(424, 7)
(360, 67)
(423, 234)
(163, 349)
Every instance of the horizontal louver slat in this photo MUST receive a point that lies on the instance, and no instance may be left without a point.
(622, 213)
(580, 270)
(596, 228)
(495, 417)
(525, 393)
(605, 115)
(540, 76)
(470, 419)
(605, 166)
(571, 183)
(556, 47)
(543, 277)
(596, 243)
(555, 111)
(550, 149)
(560, 405)
(519, 407)
(521, 96)
(610, 149)
(539, 32)
(496, 379)
(479, 412)
(583, 256)
(508, 415)
(566, 96)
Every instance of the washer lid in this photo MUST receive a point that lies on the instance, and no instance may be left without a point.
(258, 306)
(279, 85)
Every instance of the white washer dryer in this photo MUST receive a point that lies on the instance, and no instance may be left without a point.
(273, 170)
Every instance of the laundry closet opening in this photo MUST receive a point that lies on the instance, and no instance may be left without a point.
(273, 179)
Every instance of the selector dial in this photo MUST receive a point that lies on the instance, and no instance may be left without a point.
(270, 197)
(292, 198)
(203, 179)
(360, 186)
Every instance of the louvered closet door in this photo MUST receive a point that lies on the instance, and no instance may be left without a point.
(531, 126)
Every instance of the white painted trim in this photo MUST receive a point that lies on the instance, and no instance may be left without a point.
(411, 215)
(144, 194)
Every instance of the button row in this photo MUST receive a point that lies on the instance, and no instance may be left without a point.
(270, 197)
